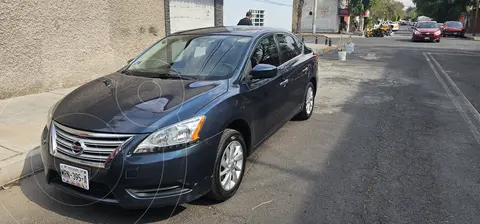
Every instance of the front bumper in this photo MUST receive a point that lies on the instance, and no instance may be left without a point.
(453, 33)
(426, 37)
(141, 181)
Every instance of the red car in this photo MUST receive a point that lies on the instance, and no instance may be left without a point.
(453, 28)
(426, 31)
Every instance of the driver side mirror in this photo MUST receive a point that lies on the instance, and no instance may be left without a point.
(263, 71)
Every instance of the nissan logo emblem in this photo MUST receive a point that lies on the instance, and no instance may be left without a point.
(78, 147)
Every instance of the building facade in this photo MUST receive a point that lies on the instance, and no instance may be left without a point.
(192, 14)
(270, 13)
(329, 13)
(47, 45)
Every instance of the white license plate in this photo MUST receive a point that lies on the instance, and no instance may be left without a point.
(74, 176)
(427, 38)
(455, 33)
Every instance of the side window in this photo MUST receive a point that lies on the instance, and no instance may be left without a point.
(306, 50)
(288, 47)
(265, 52)
(299, 44)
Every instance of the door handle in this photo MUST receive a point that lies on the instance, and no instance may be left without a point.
(284, 83)
(306, 71)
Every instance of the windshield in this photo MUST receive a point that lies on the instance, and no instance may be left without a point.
(191, 56)
(455, 24)
(427, 25)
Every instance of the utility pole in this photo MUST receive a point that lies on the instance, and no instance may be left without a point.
(476, 18)
(314, 20)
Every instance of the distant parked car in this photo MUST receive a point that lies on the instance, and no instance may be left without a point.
(453, 28)
(426, 31)
(394, 26)
(179, 120)
(441, 25)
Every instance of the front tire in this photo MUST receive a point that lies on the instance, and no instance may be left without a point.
(229, 166)
(309, 102)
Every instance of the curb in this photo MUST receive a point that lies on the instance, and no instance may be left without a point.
(473, 38)
(20, 167)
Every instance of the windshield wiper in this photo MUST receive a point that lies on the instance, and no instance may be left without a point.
(175, 76)
(126, 72)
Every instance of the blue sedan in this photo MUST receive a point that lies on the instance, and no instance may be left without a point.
(179, 120)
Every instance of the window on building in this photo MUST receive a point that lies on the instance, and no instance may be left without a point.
(258, 17)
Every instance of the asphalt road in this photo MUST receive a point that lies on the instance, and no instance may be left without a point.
(394, 139)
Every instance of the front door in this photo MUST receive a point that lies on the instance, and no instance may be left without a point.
(265, 95)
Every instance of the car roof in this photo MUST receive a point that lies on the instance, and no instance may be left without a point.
(251, 31)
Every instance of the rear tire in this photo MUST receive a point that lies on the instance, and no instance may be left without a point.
(231, 158)
(308, 104)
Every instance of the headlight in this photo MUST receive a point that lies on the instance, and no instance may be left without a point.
(416, 32)
(50, 113)
(438, 32)
(176, 135)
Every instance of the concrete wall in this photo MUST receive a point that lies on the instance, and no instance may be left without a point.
(191, 14)
(278, 13)
(50, 44)
(327, 16)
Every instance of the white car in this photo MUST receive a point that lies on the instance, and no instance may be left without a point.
(395, 26)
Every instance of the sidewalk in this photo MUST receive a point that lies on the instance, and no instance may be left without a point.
(21, 122)
(321, 36)
(471, 37)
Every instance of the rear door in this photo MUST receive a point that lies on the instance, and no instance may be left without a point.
(294, 70)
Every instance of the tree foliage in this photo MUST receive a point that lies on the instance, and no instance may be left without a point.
(442, 10)
(411, 13)
(355, 7)
(386, 9)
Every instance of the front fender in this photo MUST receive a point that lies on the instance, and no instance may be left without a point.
(224, 110)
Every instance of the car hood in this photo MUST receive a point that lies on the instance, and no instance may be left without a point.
(427, 30)
(453, 29)
(119, 103)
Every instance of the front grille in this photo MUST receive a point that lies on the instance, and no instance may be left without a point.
(427, 35)
(95, 147)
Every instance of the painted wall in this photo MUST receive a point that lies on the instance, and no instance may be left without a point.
(278, 13)
(191, 14)
(51, 44)
(327, 16)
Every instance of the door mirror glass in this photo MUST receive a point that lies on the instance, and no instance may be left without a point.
(263, 71)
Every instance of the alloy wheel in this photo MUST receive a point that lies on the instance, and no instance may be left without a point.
(309, 100)
(231, 166)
